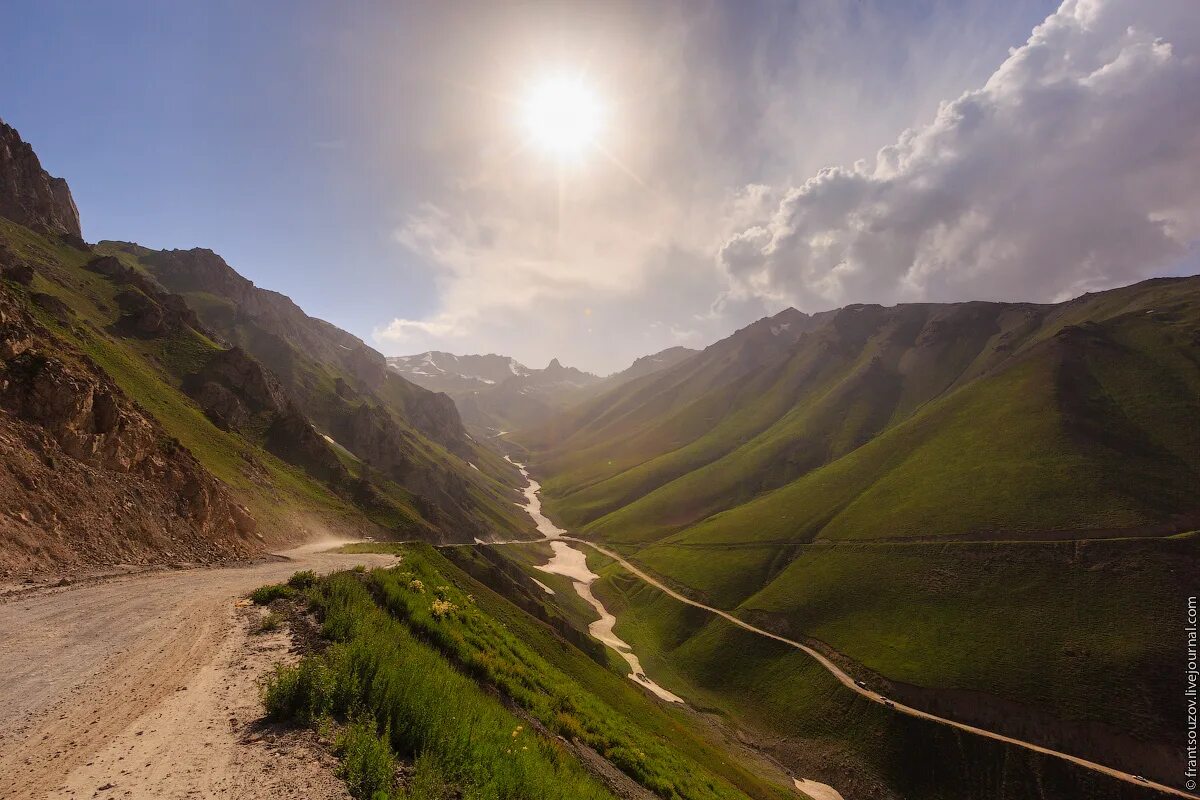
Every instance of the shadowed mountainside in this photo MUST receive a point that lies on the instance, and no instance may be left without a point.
(148, 425)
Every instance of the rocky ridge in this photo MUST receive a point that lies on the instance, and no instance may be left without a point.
(87, 475)
(30, 195)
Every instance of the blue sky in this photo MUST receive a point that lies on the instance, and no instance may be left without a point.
(222, 125)
(363, 158)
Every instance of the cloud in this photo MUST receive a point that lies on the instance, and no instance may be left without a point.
(1073, 168)
(502, 251)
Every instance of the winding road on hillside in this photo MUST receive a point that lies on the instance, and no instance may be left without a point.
(849, 683)
(133, 686)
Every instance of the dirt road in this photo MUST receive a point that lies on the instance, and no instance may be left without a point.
(139, 686)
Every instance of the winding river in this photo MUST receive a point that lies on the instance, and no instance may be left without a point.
(571, 563)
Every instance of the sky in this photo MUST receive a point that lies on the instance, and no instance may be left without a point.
(375, 162)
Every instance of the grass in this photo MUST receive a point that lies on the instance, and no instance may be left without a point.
(917, 421)
(271, 622)
(265, 595)
(1095, 621)
(367, 763)
(824, 731)
(502, 646)
(445, 616)
(405, 692)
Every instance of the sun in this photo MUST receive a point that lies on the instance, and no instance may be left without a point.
(563, 116)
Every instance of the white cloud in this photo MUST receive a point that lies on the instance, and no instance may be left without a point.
(1075, 167)
(704, 97)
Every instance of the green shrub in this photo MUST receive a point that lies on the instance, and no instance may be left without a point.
(270, 622)
(303, 693)
(265, 594)
(368, 766)
(302, 580)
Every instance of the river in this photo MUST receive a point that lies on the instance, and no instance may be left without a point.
(571, 563)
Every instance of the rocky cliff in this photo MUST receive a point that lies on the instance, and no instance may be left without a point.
(30, 195)
(87, 476)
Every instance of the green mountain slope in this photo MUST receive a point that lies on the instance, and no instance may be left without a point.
(911, 421)
(411, 440)
(261, 412)
(82, 321)
(971, 506)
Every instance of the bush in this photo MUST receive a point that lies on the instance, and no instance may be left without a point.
(303, 693)
(368, 766)
(302, 580)
(270, 622)
(265, 594)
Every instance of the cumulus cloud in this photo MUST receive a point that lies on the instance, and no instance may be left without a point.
(1075, 167)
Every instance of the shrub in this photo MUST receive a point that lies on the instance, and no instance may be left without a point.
(368, 766)
(270, 622)
(265, 594)
(303, 693)
(303, 579)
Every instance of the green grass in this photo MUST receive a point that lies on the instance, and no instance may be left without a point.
(367, 763)
(425, 709)
(265, 595)
(445, 616)
(821, 729)
(271, 622)
(917, 421)
(524, 657)
(1097, 623)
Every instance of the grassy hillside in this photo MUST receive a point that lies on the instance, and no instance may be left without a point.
(818, 728)
(969, 505)
(150, 370)
(655, 745)
(406, 441)
(967, 419)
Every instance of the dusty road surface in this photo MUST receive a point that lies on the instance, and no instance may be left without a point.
(143, 686)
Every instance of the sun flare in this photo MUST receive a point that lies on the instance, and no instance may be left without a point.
(563, 116)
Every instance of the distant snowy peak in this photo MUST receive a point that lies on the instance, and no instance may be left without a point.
(450, 372)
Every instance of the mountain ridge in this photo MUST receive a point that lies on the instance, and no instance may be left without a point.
(498, 393)
(261, 400)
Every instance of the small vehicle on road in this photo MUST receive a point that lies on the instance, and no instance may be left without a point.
(1140, 778)
(861, 684)
(888, 703)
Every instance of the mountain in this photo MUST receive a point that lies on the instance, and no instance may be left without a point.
(986, 510)
(409, 436)
(648, 364)
(835, 412)
(446, 372)
(496, 393)
(159, 407)
(30, 195)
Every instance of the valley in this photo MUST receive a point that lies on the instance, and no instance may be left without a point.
(909, 551)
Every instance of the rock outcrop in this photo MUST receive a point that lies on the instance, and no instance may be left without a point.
(30, 195)
(238, 393)
(147, 308)
(87, 475)
(286, 334)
